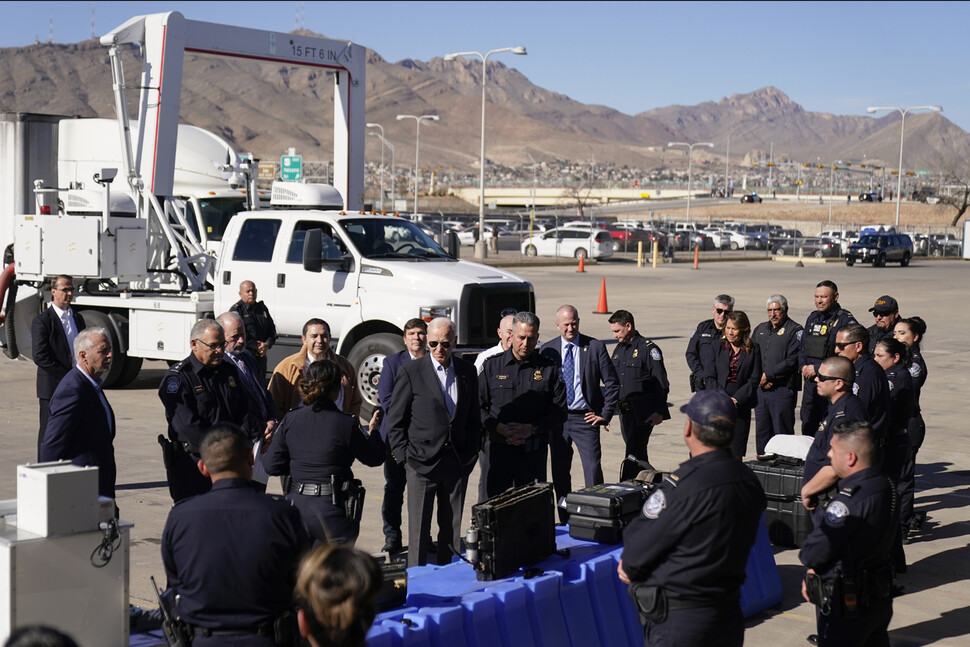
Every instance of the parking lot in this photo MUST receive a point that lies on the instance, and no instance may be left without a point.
(667, 302)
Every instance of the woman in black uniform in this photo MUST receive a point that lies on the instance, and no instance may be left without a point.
(732, 365)
(316, 445)
(910, 331)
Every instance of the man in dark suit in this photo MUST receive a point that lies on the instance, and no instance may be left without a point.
(434, 428)
(585, 364)
(395, 476)
(52, 336)
(81, 428)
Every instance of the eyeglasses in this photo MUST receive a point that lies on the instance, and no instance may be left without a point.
(722, 311)
(68, 290)
(444, 344)
(842, 344)
(508, 311)
(209, 346)
(825, 378)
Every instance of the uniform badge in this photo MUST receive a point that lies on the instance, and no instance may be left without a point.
(836, 513)
(781, 331)
(636, 351)
(654, 505)
(172, 385)
(855, 389)
(615, 355)
(915, 370)
(824, 329)
(890, 386)
(501, 377)
(655, 354)
(537, 376)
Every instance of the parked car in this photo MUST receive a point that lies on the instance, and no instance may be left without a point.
(845, 237)
(751, 197)
(626, 238)
(570, 241)
(783, 235)
(720, 237)
(812, 246)
(945, 245)
(870, 196)
(881, 248)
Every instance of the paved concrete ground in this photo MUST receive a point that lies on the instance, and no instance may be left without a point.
(667, 302)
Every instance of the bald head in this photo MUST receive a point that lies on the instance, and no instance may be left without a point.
(505, 328)
(567, 322)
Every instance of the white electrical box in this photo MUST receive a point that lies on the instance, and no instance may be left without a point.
(57, 498)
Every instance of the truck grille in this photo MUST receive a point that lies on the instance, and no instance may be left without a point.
(481, 306)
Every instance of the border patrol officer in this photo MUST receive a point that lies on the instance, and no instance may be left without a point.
(849, 575)
(910, 331)
(871, 384)
(523, 400)
(886, 313)
(778, 341)
(684, 556)
(197, 393)
(643, 388)
(707, 331)
(259, 324)
(818, 342)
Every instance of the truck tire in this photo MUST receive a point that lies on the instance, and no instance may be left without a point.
(880, 261)
(905, 261)
(367, 358)
(849, 262)
(95, 319)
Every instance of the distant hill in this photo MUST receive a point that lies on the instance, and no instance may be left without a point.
(266, 108)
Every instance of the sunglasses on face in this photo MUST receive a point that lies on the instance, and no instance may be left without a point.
(722, 311)
(825, 378)
(842, 344)
(876, 315)
(444, 344)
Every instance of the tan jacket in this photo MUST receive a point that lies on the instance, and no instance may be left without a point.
(284, 385)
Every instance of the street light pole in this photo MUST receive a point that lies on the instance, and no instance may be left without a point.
(690, 150)
(481, 251)
(902, 130)
(417, 141)
(381, 128)
(391, 146)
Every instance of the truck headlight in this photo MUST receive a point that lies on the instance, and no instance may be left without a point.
(433, 312)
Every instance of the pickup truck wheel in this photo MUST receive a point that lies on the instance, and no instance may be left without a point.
(880, 261)
(849, 262)
(367, 358)
(905, 261)
(95, 319)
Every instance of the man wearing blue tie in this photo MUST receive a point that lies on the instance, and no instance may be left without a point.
(585, 366)
(81, 428)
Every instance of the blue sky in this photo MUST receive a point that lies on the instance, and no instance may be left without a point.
(836, 57)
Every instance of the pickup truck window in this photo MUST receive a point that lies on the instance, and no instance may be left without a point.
(390, 238)
(256, 240)
(333, 245)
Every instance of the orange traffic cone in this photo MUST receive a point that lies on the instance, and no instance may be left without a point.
(601, 308)
(697, 256)
(582, 264)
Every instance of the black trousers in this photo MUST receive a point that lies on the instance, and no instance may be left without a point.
(635, 436)
(916, 432)
(44, 405)
(773, 414)
(870, 629)
(395, 480)
(714, 626)
(512, 466)
(184, 478)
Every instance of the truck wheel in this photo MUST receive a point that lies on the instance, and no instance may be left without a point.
(849, 262)
(130, 370)
(905, 261)
(95, 319)
(880, 261)
(367, 358)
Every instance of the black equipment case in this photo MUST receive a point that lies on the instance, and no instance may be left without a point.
(781, 478)
(516, 528)
(599, 513)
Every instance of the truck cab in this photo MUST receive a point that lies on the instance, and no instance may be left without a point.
(365, 275)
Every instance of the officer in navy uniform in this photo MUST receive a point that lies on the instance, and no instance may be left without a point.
(886, 313)
(643, 388)
(818, 342)
(871, 384)
(685, 555)
(778, 341)
(260, 327)
(197, 393)
(707, 332)
(849, 573)
(910, 331)
(523, 401)
(834, 378)
(231, 554)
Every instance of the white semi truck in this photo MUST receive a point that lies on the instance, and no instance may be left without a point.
(147, 277)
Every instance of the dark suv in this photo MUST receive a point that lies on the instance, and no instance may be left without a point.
(880, 248)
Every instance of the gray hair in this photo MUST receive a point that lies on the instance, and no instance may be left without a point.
(527, 318)
(725, 299)
(87, 338)
(202, 326)
(226, 317)
(779, 299)
(443, 322)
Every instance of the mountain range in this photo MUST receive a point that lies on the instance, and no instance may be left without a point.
(265, 109)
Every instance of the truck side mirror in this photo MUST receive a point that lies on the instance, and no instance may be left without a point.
(313, 250)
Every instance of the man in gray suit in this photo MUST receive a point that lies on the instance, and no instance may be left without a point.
(585, 365)
(434, 428)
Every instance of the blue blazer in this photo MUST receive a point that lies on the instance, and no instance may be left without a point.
(385, 388)
(419, 429)
(595, 366)
(80, 431)
(50, 351)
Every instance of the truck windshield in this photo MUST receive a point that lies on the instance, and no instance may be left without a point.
(216, 213)
(390, 238)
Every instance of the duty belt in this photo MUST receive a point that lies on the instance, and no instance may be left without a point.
(676, 603)
(312, 489)
(262, 630)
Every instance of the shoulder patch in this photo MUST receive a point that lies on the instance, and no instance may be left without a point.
(172, 384)
(915, 370)
(655, 505)
(890, 385)
(836, 514)
(798, 335)
(655, 354)
(855, 388)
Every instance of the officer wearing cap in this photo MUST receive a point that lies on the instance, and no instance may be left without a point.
(849, 575)
(197, 393)
(684, 556)
(643, 387)
(886, 313)
(818, 342)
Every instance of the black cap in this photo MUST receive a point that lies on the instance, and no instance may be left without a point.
(707, 405)
(885, 305)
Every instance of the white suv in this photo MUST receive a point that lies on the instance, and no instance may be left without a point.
(570, 242)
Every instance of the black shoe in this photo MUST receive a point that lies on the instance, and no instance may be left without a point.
(391, 547)
(813, 638)
(898, 590)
